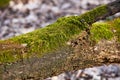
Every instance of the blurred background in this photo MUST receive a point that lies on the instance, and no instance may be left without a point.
(23, 16)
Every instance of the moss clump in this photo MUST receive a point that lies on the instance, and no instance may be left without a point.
(116, 25)
(100, 30)
(51, 37)
(56, 35)
(92, 15)
(10, 51)
(8, 56)
(4, 3)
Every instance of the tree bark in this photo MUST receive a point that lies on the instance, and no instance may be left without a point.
(65, 57)
(112, 8)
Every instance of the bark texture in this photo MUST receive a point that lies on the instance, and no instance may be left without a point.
(112, 8)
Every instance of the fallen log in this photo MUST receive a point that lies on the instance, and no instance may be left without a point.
(45, 52)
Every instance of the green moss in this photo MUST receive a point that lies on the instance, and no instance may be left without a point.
(10, 51)
(92, 15)
(100, 30)
(116, 25)
(4, 3)
(55, 36)
(7, 56)
(50, 38)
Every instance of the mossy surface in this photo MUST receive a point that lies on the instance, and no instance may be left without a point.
(10, 51)
(116, 26)
(50, 38)
(106, 30)
(53, 36)
(101, 30)
(4, 3)
(94, 14)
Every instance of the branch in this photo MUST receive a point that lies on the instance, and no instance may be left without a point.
(112, 8)
(44, 52)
